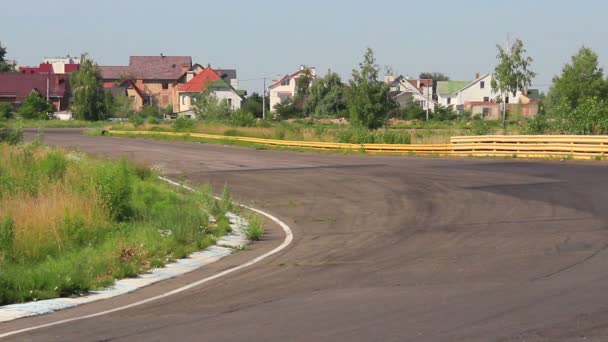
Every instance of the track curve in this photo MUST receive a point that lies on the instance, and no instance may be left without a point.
(385, 249)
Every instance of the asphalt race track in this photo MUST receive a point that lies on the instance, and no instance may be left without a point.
(385, 249)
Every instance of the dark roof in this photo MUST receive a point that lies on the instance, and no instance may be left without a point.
(21, 85)
(149, 68)
(113, 72)
(533, 94)
(227, 74)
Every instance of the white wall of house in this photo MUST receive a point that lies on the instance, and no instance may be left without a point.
(479, 90)
(233, 99)
(286, 88)
(423, 98)
(281, 91)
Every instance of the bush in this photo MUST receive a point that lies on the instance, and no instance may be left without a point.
(183, 124)
(480, 127)
(361, 135)
(114, 187)
(150, 111)
(35, 107)
(136, 120)
(152, 120)
(590, 117)
(242, 118)
(254, 230)
(11, 135)
(6, 111)
(538, 125)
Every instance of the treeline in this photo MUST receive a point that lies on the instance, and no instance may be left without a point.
(577, 102)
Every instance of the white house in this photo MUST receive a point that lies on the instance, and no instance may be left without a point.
(463, 94)
(285, 87)
(404, 90)
(206, 80)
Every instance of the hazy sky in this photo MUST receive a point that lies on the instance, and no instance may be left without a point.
(263, 38)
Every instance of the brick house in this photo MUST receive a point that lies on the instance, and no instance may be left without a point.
(15, 87)
(156, 77)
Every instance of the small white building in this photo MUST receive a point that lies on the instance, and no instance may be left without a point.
(285, 87)
(419, 91)
(461, 94)
(59, 63)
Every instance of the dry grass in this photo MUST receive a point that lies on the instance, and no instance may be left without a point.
(40, 221)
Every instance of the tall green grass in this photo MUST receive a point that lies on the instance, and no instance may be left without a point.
(70, 224)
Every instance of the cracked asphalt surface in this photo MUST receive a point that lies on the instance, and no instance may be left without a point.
(385, 249)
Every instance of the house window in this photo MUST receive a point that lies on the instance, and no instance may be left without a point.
(486, 99)
(183, 100)
(485, 112)
(230, 102)
(165, 85)
(507, 99)
(449, 100)
(285, 82)
(482, 84)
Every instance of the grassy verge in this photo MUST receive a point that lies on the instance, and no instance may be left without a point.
(417, 132)
(70, 224)
(57, 123)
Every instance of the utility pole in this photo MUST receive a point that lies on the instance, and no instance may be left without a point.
(427, 102)
(264, 100)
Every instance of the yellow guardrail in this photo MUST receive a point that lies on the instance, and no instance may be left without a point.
(531, 146)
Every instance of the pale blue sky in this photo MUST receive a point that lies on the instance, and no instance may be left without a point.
(263, 38)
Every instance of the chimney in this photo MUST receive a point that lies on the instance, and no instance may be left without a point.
(189, 75)
(476, 75)
(161, 55)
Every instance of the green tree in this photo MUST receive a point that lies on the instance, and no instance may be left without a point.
(326, 97)
(35, 107)
(90, 101)
(512, 73)
(207, 107)
(580, 80)
(367, 96)
(286, 109)
(5, 66)
(589, 117)
(122, 107)
(253, 104)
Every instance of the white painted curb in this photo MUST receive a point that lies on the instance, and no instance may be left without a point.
(61, 303)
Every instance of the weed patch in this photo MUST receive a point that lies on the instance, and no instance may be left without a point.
(70, 224)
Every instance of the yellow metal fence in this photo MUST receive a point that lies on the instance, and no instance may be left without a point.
(530, 146)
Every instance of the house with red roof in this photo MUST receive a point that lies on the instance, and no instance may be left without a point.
(15, 87)
(284, 87)
(209, 80)
(153, 78)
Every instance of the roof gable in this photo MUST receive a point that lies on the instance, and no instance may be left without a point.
(199, 82)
